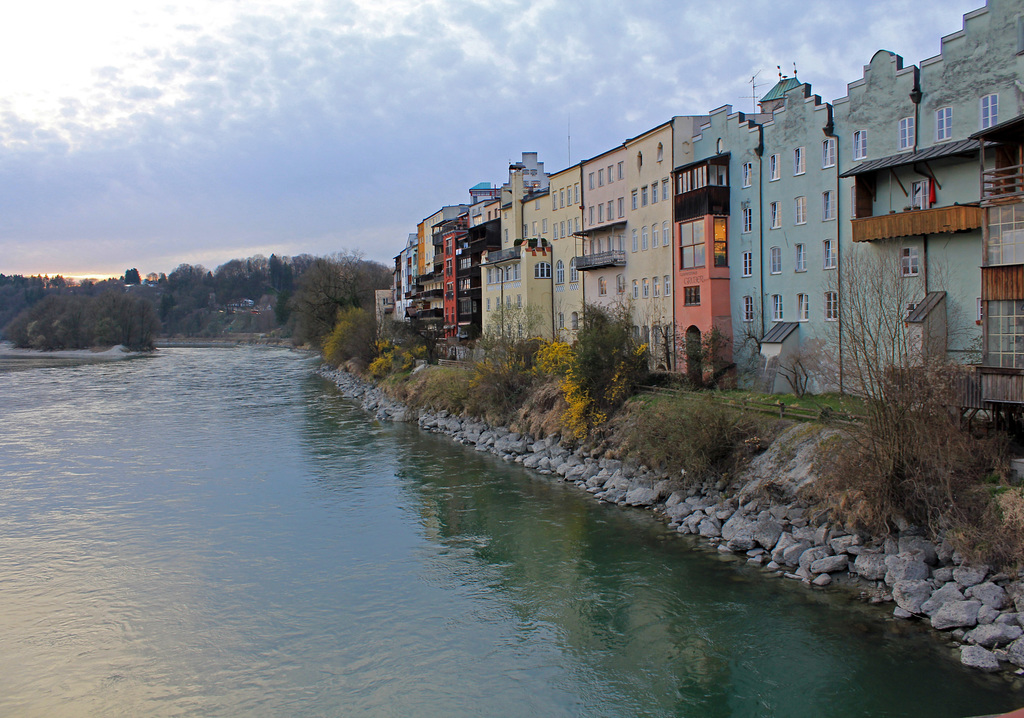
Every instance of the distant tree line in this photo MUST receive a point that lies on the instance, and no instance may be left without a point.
(297, 297)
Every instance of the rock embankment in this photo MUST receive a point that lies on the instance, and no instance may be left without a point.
(759, 515)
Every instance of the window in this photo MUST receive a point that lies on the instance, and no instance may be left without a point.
(655, 236)
(829, 254)
(798, 161)
(634, 199)
(647, 288)
(860, 144)
(831, 306)
(534, 228)
(576, 193)
(828, 153)
(943, 123)
(610, 180)
(748, 264)
(721, 242)
(654, 193)
(776, 219)
(621, 171)
(600, 178)
(908, 262)
(561, 228)
(691, 296)
(801, 308)
(643, 196)
(611, 206)
(664, 234)
(800, 210)
(636, 290)
(488, 304)
(989, 111)
(559, 272)
(664, 188)
(919, 195)
(1006, 234)
(691, 244)
(906, 133)
(635, 241)
(622, 207)
(561, 198)
(620, 284)
(773, 168)
(574, 321)
(748, 173)
(561, 320)
(574, 276)
(591, 180)
(554, 201)
(643, 238)
(777, 308)
(828, 206)
(590, 217)
(1005, 325)
(602, 286)
(801, 258)
(748, 309)
(600, 213)
(668, 286)
(516, 270)
(775, 260)
(748, 220)
(655, 285)
(543, 226)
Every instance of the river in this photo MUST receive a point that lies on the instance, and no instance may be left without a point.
(215, 532)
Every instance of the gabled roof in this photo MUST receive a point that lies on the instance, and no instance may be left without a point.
(946, 149)
(781, 88)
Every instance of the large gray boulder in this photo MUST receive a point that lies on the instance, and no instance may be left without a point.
(1015, 652)
(766, 532)
(905, 567)
(785, 541)
(830, 564)
(979, 658)
(921, 546)
(943, 595)
(791, 556)
(710, 528)
(813, 554)
(735, 524)
(988, 593)
(641, 496)
(994, 635)
(742, 540)
(870, 566)
(968, 576)
(911, 595)
(956, 614)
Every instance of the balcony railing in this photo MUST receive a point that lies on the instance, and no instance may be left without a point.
(912, 222)
(612, 258)
(504, 255)
(711, 199)
(1003, 183)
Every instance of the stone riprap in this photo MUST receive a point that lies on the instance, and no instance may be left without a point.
(761, 516)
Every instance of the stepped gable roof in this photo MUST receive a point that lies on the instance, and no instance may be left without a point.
(781, 88)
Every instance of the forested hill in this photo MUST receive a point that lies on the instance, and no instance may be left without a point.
(253, 295)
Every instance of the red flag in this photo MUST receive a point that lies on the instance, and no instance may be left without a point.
(931, 193)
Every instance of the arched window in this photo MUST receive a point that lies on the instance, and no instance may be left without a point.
(602, 286)
(620, 284)
(574, 318)
(542, 270)
(573, 274)
(559, 272)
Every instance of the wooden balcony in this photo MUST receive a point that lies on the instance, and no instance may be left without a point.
(1005, 184)
(712, 199)
(938, 220)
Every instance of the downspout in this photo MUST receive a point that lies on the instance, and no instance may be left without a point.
(759, 151)
(915, 97)
(830, 131)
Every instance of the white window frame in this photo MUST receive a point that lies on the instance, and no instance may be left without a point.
(775, 260)
(776, 219)
(778, 310)
(910, 265)
(560, 272)
(799, 161)
(748, 308)
(828, 206)
(748, 173)
(800, 210)
(828, 152)
(831, 306)
(748, 220)
(636, 241)
(828, 259)
(668, 286)
(774, 170)
(748, 264)
(989, 111)
(906, 134)
(943, 124)
(860, 144)
(800, 256)
(802, 311)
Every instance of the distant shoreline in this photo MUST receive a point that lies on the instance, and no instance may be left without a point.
(8, 352)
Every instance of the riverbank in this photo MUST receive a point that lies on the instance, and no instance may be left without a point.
(760, 514)
(9, 352)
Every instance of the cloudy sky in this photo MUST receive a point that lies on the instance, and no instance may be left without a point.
(145, 134)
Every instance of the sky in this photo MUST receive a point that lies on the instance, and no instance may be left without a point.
(150, 133)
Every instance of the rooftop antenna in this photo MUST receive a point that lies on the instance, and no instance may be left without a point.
(753, 90)
(794, 69)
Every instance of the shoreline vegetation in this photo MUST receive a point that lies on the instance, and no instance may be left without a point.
(888, 492)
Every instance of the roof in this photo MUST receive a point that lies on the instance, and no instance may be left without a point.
(482, 185)
(781, 88)
(778, 332)
(919, 313)
(1009, 131)
(946, 149)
